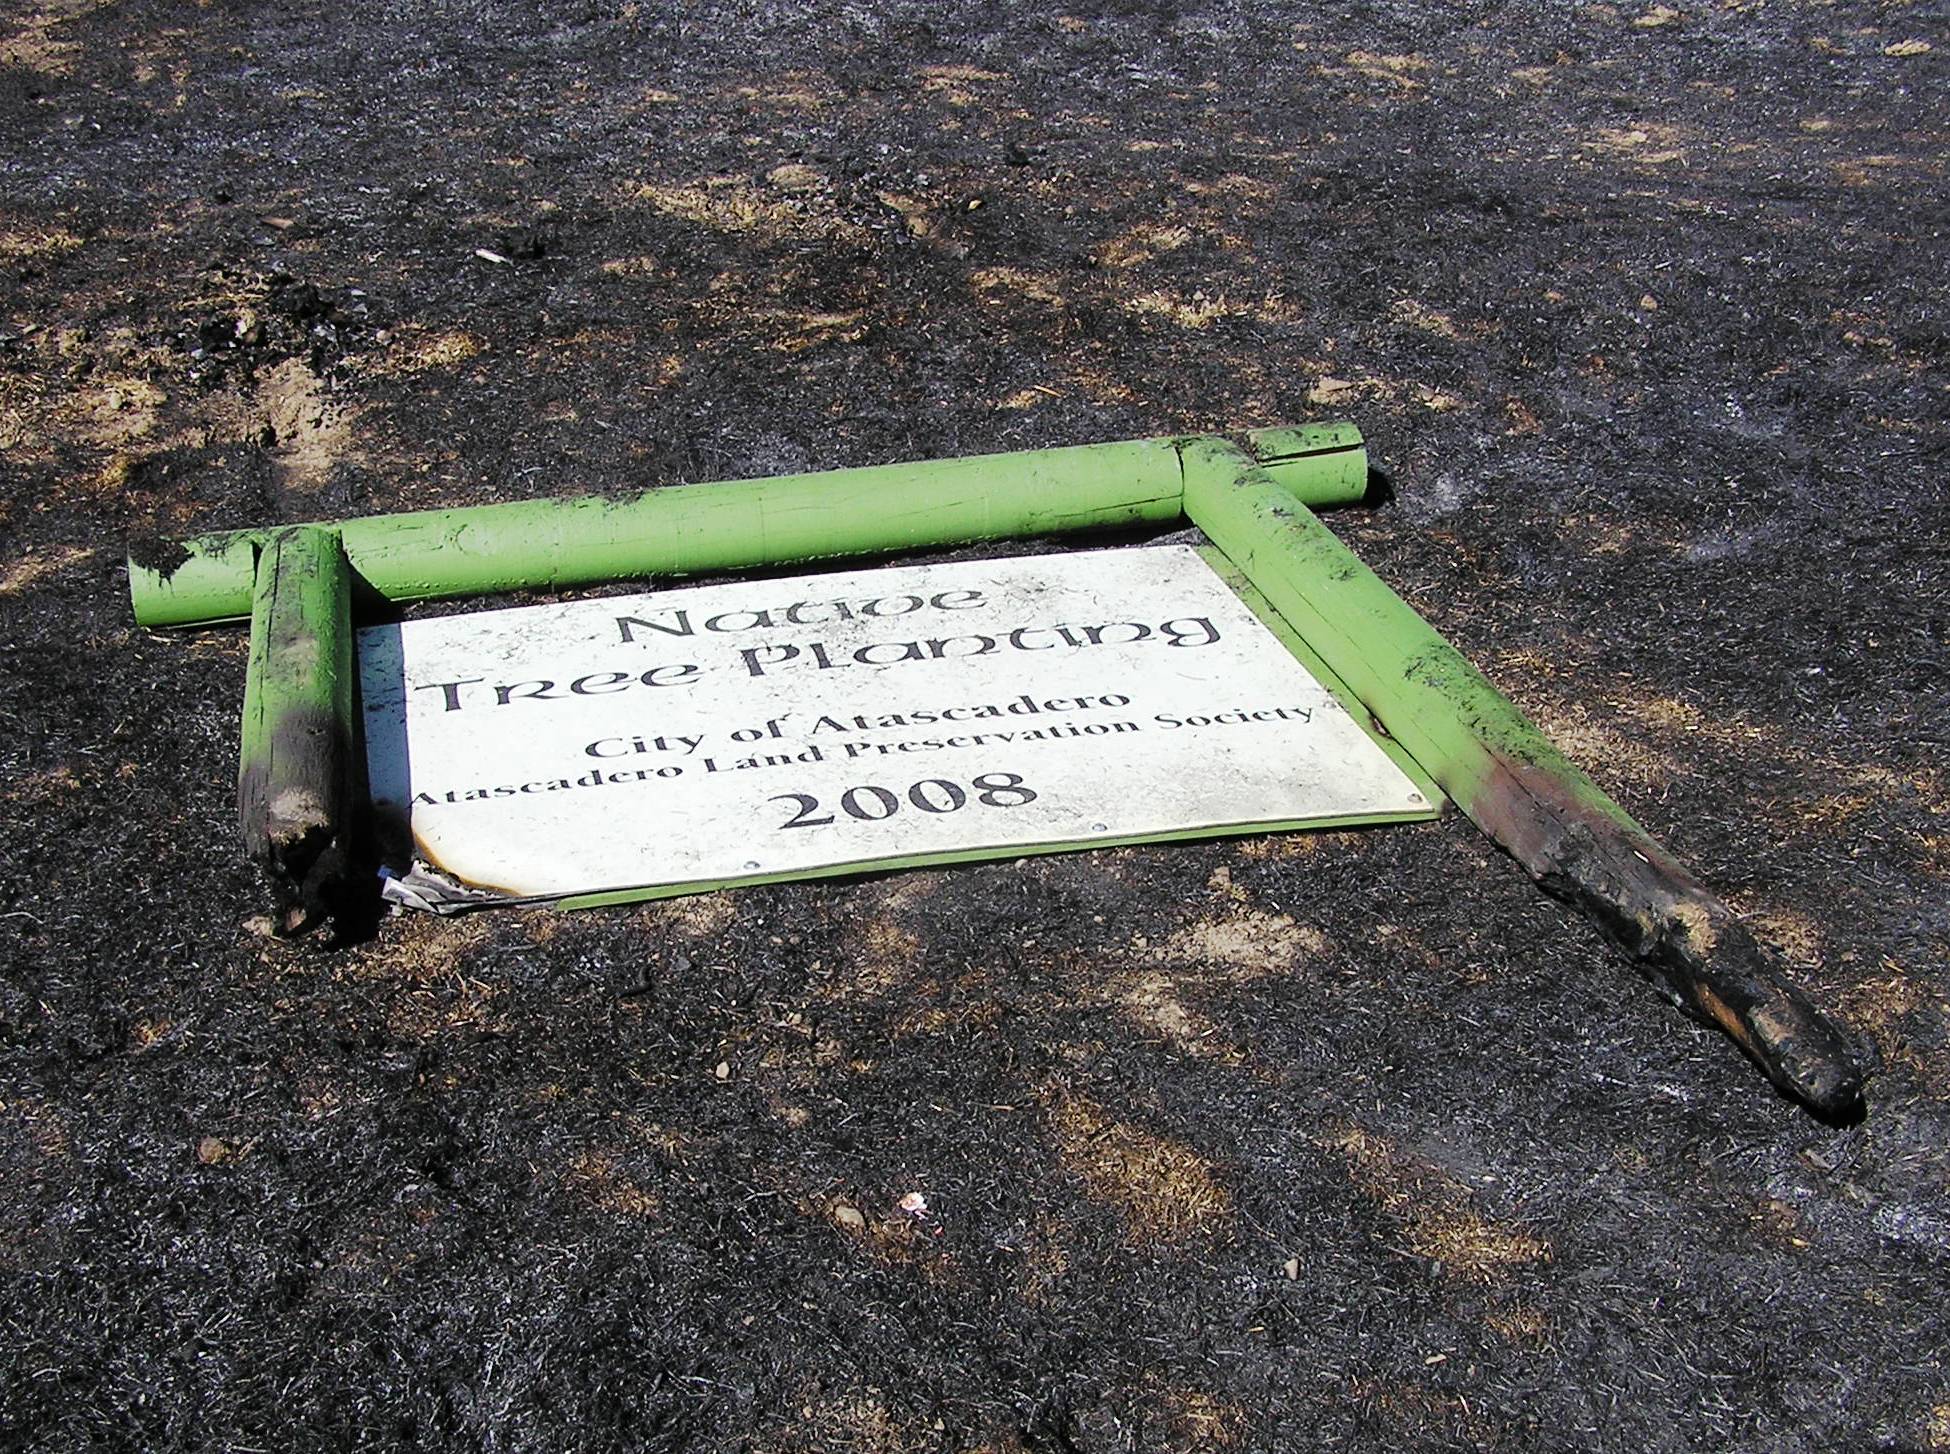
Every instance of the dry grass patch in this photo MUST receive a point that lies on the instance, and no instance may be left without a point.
(1861, 790)
(1043, 287)
(123, 408)
(1437, 1214)
(910, 890)
(1196, 312)
(1398, 71)
(599, 1177)
(1236, 186)
(1936, 1426)
(25, 572)
(1140, 245)
(412, 351)
(1417, 314)
(35, 43)
(797, 178)
(789, 97)
(418, 949)
(915, 213)
(1649, 145)
(1245, 945)
(1881, 1002)
(1796, 935)
(734, 205)
(48, 789)
(541, 925)
(700, 916)
(1152, 1001)
(803, 331)
(1100, 387)
(1330, 392)
(1203, 1421)
(959, 86)
(1621, 758)
(883, 959)
(145, 1035)
(1667, 712)
(1298, 844)
(1165, 1191)
(95, 392)
(37, 245)
(1030, 397)
(640, 266)
(886, 955)
(1872, 171)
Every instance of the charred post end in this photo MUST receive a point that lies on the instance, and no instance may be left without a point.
(299, 777)
(1684, 939)
(1525, 795)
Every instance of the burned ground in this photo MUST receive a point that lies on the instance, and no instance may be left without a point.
(1346, 1140)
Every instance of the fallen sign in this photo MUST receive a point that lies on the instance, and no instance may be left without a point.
(300, 783)
(598, 750)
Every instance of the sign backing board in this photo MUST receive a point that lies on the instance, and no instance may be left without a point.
(756, 730)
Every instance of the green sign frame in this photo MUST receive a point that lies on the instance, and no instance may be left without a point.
(297, 585)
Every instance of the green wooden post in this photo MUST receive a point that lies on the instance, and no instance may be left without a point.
(695, 529)
(299, 773)
(1518, 788)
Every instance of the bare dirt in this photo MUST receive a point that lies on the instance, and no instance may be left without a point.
(1314, 1142)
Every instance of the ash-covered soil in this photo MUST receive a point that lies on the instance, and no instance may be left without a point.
(1297, 1143)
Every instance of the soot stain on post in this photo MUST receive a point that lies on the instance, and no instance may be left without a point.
(159, 553)
(1683, 938)
(297, 807)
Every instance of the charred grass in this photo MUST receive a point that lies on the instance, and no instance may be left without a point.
(1278, 1144)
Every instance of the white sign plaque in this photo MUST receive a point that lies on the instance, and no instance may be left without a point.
(757, 729)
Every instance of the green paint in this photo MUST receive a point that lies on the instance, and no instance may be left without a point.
(696, 529)
(1444, 722)
(1322, 464)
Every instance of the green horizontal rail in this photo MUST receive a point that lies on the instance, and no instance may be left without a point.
(738, 525)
